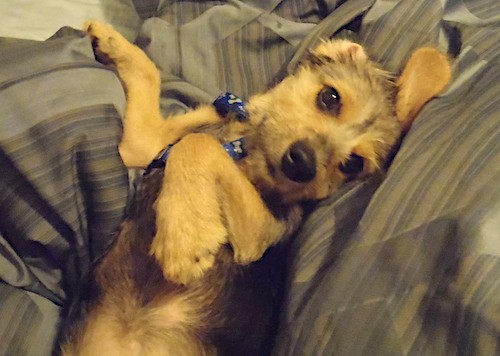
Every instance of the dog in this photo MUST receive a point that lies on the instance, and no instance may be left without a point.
(188, 273)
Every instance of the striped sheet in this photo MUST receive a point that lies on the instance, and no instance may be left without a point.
(418, 273)
(63, 188)
(209, 47)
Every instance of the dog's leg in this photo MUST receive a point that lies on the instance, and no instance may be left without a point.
(145, 132)
(252, 227)
(207, 201)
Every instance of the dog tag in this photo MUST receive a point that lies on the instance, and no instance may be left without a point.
(230, 106)
(236, 149)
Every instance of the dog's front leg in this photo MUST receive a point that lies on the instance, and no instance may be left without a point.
(145, 132)
(252, 228)
(205, 202)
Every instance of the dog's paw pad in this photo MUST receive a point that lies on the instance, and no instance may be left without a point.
(184, 269)
(186, 251)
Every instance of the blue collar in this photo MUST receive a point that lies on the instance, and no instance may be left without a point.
(227, 105)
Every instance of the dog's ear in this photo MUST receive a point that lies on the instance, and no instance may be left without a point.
(338, 49)
(335, 51)
(425, 75)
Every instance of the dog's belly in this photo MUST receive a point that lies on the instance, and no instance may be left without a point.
(231, 309)
(137, 311)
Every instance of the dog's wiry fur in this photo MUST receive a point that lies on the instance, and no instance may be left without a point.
(181, 278)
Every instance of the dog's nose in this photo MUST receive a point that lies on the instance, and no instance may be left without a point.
(299, 162)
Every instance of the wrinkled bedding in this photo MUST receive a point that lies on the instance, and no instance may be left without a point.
(406, 262)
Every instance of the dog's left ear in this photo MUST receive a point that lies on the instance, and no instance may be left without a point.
(425, 75)
(336, 50)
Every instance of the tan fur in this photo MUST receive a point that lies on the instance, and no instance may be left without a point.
(208, 201)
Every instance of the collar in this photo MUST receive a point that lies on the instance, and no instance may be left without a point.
(235, 149)
(227, 105)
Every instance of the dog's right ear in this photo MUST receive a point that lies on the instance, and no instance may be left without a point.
(425, 75)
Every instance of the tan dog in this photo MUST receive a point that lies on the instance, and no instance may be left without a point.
(168, 286)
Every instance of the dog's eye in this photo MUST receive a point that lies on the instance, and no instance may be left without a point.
(353, 165)
(329, 100)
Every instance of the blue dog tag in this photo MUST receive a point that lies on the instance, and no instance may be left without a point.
(236, 149)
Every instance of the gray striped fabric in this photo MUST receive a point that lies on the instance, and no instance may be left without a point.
(204, 48)
(63, 188)
(419, 272)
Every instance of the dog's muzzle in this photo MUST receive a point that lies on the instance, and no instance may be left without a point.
(299, 162)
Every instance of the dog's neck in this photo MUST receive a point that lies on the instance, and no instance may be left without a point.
(232, 110)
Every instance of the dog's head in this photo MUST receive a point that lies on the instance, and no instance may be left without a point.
(336, 119)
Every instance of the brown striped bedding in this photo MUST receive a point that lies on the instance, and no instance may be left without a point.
(405, 263)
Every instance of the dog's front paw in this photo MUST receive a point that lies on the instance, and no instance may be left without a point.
(185, 246)
(181, 265)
